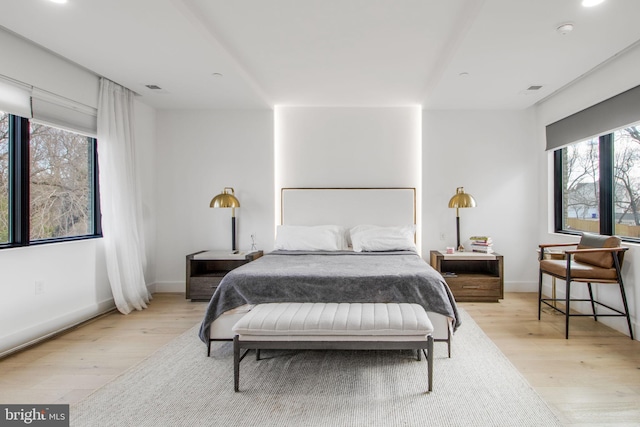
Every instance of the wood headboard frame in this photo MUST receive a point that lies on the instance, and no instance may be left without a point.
(347, 206)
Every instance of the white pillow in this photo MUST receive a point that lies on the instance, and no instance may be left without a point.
(370, 238)
(311, 238)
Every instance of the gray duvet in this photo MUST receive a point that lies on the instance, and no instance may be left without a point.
(291, 276)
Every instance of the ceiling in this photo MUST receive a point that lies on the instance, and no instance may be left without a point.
(441, 54)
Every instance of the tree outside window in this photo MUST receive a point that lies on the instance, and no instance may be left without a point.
(627, 181)
(581, 176)
(4, 177)
(60, 183)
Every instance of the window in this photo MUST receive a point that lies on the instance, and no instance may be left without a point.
(48, 183)
(597, 185)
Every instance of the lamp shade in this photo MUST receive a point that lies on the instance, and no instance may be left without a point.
(226, 199)
(462, 200)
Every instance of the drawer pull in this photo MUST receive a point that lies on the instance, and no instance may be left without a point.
(470, 287)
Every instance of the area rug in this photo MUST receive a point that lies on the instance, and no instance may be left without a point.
(179, 386)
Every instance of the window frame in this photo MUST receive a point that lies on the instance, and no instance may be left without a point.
(19, 194)
(606, 208)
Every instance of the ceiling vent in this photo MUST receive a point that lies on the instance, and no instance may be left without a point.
(153, 87)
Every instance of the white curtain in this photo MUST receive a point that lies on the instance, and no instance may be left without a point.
(119, 199)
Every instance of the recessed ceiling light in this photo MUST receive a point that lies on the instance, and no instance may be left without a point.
(58, 1)
(591, 3)
(153, 87)
(217, 74)
(565, 28)
(463, 74)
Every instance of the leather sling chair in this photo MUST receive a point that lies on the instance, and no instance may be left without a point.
(596, 259)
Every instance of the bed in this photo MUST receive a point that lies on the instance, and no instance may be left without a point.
(337, 245)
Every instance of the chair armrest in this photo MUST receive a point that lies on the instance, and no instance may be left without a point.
(579, 251)
(555, 245)
(544, 246)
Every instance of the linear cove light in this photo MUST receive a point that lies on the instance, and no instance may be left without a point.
(591, 3)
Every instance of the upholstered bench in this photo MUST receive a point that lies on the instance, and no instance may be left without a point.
(334, 326)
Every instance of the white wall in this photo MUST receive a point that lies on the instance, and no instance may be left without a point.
(620, 74)
(490, 154)
(76, 287)
(198, 154)
(352, 147)
(348, 147)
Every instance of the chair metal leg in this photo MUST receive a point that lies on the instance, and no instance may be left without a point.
(567, 308)
(539, 293)
(616, 263)
(626, 306)
(593, 306)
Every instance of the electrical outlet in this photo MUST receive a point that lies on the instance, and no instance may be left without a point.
(442, 236)
(39, 288)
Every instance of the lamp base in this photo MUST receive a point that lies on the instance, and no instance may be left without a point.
(233, 234)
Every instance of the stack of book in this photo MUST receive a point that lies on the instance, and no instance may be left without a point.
(482, 244)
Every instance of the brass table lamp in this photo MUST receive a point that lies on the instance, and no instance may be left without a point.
(461, 200)
(227, 199)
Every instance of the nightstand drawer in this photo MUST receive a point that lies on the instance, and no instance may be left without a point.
(475, 288)
(203, 287)
(205, 274)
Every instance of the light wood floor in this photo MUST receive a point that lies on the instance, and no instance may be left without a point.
(591, 379)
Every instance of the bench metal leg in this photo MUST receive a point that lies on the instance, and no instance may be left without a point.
(238, 355)
(430, 361)
(236, 364)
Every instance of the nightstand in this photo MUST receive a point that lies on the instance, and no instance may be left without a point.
(205, 270)
(472, 276)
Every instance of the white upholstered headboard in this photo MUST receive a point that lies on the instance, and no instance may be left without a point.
(348, 206)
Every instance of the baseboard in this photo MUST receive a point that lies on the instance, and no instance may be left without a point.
(520, 286)
(169, 287)
(43, 331)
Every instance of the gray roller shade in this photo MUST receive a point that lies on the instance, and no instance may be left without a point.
(56, 111)
(604, 117)
(15, 97)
